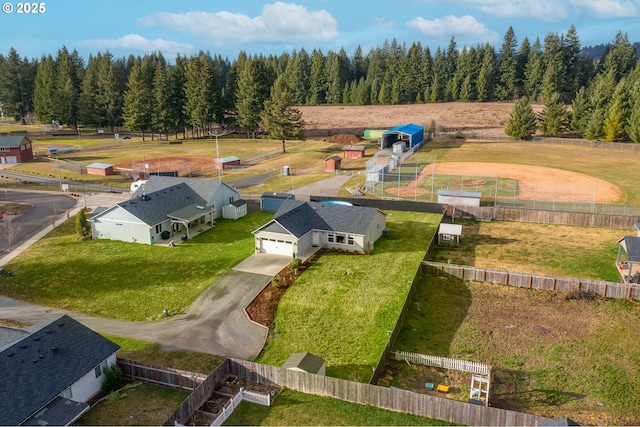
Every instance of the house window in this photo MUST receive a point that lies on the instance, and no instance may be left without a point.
(22, 148)
(341, 238)
(67, 394)
(350, 240)
(330, 237)
(98, 371)
(446, 237)
(158, 228)
(28, 145)
(231, 199)
(5, 149)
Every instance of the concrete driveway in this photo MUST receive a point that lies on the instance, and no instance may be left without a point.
(260, 263)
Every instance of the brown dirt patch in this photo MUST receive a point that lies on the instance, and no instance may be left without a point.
(344, 138)
(534, 182)
(263, 308)
(488, 118)
(13, 208)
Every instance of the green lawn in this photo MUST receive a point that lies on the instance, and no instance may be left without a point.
(347, 318)
(293, 408)
(550, 355)
(126, 280)
(139, 404)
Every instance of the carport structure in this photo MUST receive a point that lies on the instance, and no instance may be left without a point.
(412, 134)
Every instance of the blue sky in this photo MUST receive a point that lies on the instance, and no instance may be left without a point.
(227, 27)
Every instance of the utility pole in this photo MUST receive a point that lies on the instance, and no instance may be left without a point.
(218, 150)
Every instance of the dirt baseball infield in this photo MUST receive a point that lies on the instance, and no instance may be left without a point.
(534, 182)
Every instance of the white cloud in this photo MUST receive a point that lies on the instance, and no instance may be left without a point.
(384, 23)
(465, 28)
(278, 22)
(137, 43)
(546, 10)
(608, 8)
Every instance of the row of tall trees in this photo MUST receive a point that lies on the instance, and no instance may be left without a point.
(151, 94)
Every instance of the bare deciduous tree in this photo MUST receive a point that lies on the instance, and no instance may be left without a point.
(9, 229)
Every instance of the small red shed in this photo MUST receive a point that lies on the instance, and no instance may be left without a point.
(333, 163)
(227, 162)
(15, 149)
(102, 169)
(353, 151)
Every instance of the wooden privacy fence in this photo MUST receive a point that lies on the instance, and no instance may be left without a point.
(443, 362)
(535, 281)
(198, 397)
(382, 397)
(175, 378)
(547, 217)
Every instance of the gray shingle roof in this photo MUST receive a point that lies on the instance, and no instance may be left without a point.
(154, 207)
(205, 188)
(11, 140)
(8, 336)
(308, 362)
(301, 217)
(632, 246)
(43, 364)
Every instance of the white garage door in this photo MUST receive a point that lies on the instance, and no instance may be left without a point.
(278, 247)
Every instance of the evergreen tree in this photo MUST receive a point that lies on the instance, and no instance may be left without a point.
(595, 124)
(279, 118)
(614, 124)
(534, 71)
(554, 118)
(251, 96)
(177, 97)
(43, 93)
(580, 112)
(108, 92)
(633, 125)
(17, 77)
(553, 57)
(138, 99)
(318, 79)
(83, 228)
(87, 112)
(202, 94)
(521, 65)
(162, 113)
(486, 77)
(67, 87)
(438, 77)
(507, 68)
(522, 122)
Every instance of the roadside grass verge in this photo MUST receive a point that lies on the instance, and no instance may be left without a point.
(126, 280)
(292, 408)
(558, 250)
(345, 306)
(136, 404)
(551, 355)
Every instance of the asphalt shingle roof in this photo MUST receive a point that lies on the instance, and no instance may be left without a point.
(301, 217)
(155, 205)
(205, 188)
(632, 246)
(308, 362)
(43, 364)
(11, 140)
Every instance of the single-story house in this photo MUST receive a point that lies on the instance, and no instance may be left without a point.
(162, 206)
(49, 371)
(449, 234)
(353, 151)
(306, 362)
(332, 163)
(271, 202)
(298, 226)
(227, 162)
(459, 198)
(629, 267)
(15, 149)
(102, 169)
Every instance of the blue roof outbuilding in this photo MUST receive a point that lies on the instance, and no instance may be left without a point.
(414, 134)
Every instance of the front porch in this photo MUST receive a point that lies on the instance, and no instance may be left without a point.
(183, 234)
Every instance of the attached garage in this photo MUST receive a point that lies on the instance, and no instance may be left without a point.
(276, 246)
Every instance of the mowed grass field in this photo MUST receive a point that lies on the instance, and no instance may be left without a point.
(345, 306)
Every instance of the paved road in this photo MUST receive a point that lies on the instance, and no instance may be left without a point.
(45, 205)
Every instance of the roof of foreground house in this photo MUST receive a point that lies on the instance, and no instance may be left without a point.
(41, 364)
(298, 218)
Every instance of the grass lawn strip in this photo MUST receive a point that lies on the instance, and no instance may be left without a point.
(293, 408)
(557, 250)
(125, 280)
(345, 306)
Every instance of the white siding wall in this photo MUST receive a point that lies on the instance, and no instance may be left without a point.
(222, 198)
(87, 386)
(118, 224)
